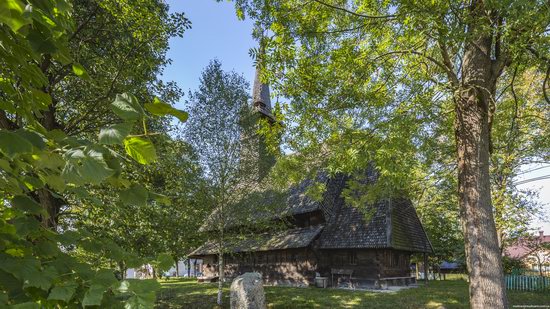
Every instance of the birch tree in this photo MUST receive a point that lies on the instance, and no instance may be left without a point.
(215, 131)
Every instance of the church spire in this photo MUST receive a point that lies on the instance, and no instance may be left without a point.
(261, 100)
(260, 94)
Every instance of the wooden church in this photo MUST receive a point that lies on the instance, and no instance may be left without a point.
(322, 238)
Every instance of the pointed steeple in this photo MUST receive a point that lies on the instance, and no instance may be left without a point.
(260, 94)
(256, 159)
(261, 100)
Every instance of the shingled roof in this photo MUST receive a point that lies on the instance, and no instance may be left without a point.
(391, 223)
(406, 231)
(298, 202)
(270, 205)
(286, 239)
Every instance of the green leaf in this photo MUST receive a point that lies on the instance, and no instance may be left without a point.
(27, 305)
(41, 43)
(63, 54)
(139, 286)
(240, 14)
(135, 195)
(33, 183)
(141, 301)
(11, 14)
(41, 99)
(161, 198)
(160, 108)
(4, 298)
(35, 139)
(86, 166)
(11, 144)
(104, 277)
(62, 292)
(49, 160)
(141, 149)
(5, 165)
(133, 261)
(26, 226)
(17, 252)
(56, 182)
(42, 280)
(95, 171)
(28, 271)
(28, 205)
(56, 135)
(127, 107)
(115, 134)
(93, 296)
(143, 292)
(80, 71)
(46, 248)
(164, 261)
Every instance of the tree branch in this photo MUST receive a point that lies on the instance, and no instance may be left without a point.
(355, 13)
(547, 76)
(448, 63)
(453, 79)
(545, 85)
(84, 23)
(515, 116)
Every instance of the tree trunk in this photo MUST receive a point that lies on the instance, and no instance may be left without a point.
(51, 205)
(221, 277)
(472, 131)
(426, 269)
(122, 268)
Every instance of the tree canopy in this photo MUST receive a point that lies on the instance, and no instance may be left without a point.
(75, 119)
(215, 131)
(416, 88)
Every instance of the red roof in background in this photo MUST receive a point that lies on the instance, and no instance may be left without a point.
(520, 249)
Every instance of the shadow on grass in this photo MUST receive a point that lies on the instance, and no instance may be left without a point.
(187, 293)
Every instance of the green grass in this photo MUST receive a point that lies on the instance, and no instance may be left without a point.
(187, 293)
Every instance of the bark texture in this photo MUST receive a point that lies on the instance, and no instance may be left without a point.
(474, 107)
(52, 205)
(221, 278)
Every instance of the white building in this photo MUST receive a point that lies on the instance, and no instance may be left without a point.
(186, 268)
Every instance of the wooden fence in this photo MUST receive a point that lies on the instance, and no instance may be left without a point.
(527, 283)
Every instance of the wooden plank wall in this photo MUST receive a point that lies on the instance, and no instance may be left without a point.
(299, 266)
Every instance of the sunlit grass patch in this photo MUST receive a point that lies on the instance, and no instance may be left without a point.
(187, 293)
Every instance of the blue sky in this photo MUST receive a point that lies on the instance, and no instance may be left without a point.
(217, 33)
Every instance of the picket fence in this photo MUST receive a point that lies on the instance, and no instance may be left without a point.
(527, 283)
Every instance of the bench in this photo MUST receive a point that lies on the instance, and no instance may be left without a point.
(383, 283)
(208, 279)
(340, 272)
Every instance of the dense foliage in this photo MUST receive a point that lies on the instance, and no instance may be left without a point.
(67, 138)
(430, 92)
(215, 130)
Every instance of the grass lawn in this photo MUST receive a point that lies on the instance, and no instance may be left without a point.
(187, 293)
